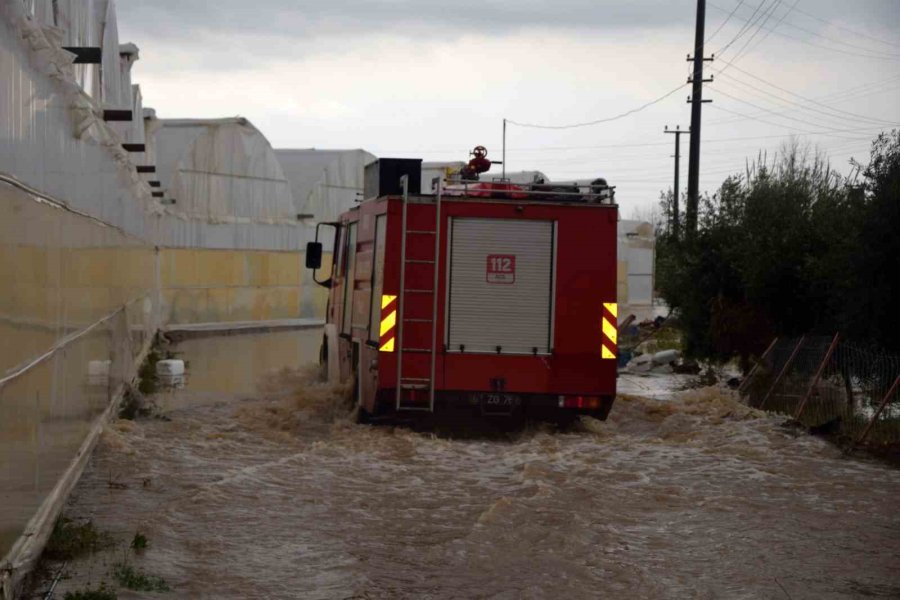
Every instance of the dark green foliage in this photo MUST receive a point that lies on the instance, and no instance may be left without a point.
(875, 261)
(139, 542)
(134, 579)
(147, 380)
(100, 593)
(70, 540)
(133, 405)
(789, 248)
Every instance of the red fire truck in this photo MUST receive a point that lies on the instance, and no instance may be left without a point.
(487, 296)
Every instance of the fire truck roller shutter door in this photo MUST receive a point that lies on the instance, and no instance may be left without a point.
(501, 277)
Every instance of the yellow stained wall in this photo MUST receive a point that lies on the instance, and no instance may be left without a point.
(211, 286)
(63, 275)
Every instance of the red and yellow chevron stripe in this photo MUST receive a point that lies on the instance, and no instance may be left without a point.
(610, 330)
(388, 323)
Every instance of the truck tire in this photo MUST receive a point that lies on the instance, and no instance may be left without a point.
(363, 417)
(323, 359)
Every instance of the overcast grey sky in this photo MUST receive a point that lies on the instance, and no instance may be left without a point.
(432, 79)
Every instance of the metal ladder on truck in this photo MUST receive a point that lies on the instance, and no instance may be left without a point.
(413, 388)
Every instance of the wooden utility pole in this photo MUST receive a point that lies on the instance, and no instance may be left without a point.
(676, 191)
(696, 100)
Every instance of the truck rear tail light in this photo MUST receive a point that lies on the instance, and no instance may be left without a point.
(583, 402)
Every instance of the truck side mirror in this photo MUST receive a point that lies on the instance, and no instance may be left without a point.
(313, 255)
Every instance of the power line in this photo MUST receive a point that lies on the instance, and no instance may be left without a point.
(660, 163)
(598, 121)
(768, 96)
(768, 33)
(722, 24)
(759, 27)
(744, 27)
(839, 41)
(725, 140)
(865, 89)
(810, 100)
(726, 94)
(880, 56)
(847, 29)
(859, 91)
(794, 128)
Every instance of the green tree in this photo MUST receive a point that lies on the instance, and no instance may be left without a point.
(873, 301)
(788, 247)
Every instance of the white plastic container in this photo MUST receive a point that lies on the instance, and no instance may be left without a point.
(666, 357)
(98, 372)
(170, 367)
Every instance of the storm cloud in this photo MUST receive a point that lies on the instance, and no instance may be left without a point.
(431, 79)
(412, 18)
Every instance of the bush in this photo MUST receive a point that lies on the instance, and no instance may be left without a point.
(789, 247)
(69, 540)
(134, 579)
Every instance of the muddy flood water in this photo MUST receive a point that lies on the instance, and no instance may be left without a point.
(257, 485)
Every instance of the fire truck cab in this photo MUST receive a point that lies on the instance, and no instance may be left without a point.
(479, 296)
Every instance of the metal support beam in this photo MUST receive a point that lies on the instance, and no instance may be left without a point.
(877, 414)
(434, 287)
(784, 371)
(401, 293)
(818, 376)
(86, 55)
(117, 115)
(756, 366)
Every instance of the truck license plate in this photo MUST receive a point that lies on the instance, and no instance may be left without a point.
(498, 403)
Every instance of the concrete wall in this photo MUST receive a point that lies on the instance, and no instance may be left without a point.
(207, 285)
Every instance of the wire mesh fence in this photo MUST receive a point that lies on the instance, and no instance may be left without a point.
(832, 387)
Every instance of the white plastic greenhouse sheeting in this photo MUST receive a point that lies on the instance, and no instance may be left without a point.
(76, 19)
(109, 88)
(324, 183)
(223, 171)
(50, 135)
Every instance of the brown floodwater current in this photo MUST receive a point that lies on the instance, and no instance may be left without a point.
(258, 485)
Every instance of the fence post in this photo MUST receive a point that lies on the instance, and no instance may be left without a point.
(848, 388)
(756, 366)
(881, 406)
(818, 376)
(784, 371)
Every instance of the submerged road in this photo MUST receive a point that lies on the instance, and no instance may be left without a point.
(270, 492)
